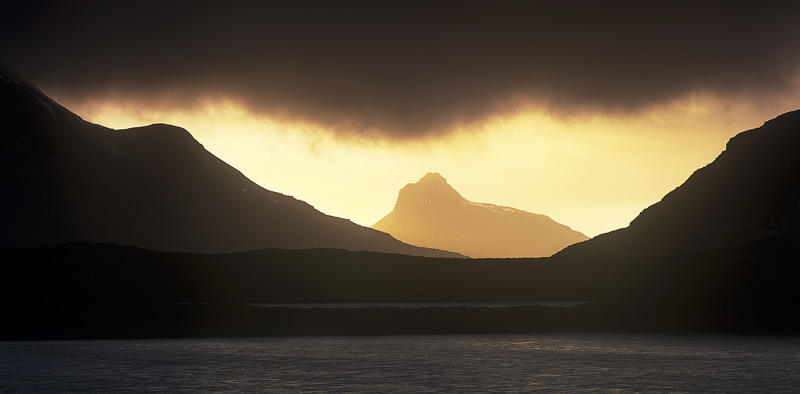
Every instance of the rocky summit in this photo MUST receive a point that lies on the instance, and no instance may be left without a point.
(432, 213)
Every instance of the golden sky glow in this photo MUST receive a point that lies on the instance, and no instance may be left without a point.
(593, 173)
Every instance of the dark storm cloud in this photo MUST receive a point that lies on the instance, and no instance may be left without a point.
(405, 68)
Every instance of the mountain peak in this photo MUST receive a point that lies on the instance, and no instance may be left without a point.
(431, 192)
(434, 183)
(433, 178)
(431, 212)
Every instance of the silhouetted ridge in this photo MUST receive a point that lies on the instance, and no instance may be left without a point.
(750, 192)
(27, 103)
(430, 212)
(65, 180)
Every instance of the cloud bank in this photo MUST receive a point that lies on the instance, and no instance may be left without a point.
(405, 69)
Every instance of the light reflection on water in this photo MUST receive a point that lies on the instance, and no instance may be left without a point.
(469, 363)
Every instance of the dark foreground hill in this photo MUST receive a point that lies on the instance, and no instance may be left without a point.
(432, 213)
(723, 247)
(63, 179)
(109, 291)
(737, 220)
(751, 192)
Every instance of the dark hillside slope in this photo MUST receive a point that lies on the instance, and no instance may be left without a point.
(64, 180)
(751, 192)
(721, 251)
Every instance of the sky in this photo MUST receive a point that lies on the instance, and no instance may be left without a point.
(585, 111)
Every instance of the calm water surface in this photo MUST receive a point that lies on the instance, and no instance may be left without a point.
(477, 363)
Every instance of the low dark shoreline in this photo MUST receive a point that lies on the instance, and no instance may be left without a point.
(222, 320)
(103, 291)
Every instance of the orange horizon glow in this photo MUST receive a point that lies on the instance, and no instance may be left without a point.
(592, 172)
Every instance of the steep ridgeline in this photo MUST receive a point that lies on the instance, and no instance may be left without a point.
(749, 193)
(719, 253)
(432, 213)
(64, 179)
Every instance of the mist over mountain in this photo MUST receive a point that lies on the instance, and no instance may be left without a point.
(64, 179)
(432, 213)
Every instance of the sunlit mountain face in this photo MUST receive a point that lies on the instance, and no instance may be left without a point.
(432, 213)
